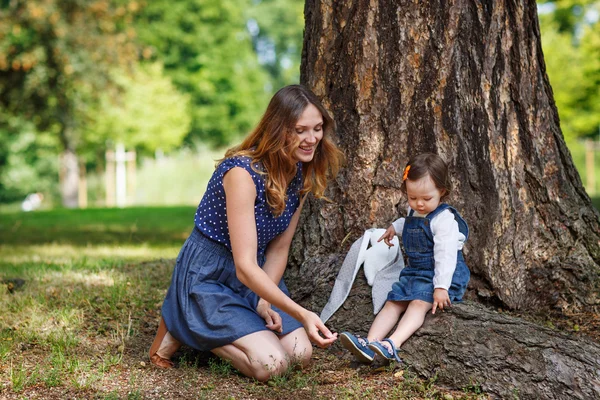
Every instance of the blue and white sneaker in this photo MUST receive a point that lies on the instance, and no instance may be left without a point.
(386, 349)
(358, 346)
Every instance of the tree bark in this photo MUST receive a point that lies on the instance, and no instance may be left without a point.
(504, 356)
(465, 79)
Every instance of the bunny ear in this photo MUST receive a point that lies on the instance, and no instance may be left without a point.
(346, 275)
(378, 255)
(362, 253)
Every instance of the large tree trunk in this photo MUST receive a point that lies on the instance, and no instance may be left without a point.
(465, 79)
(506, 357)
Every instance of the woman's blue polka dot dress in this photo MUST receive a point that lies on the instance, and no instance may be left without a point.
(206, 305)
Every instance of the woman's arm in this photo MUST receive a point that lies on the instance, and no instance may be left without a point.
(279, 248)
(240, 195)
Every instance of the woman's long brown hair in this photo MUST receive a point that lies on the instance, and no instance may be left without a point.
(273, 142)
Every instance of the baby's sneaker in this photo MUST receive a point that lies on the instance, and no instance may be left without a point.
(386, 349)
(358, 346)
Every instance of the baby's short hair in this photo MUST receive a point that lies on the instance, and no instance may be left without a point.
(428, 164)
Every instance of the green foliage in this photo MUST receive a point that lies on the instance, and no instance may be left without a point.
(147, 112)
(207, 51)
(571, 44)
(28, 161)
(276, 27)
(54, 58)
(567, 14)
(82, 75)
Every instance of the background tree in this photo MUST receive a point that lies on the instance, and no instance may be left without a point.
(207, 51)
(276, 27)
(27, 161)
(54, 62)
(144, 110)
(466, 80)
(571, 42)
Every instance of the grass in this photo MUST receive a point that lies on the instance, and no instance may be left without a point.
(155, 226)
(577, 150)
(81, 324)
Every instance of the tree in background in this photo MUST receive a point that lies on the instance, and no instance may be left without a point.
(207, 51)
(571, 42)
(27, 161)
(54, 62)
(144, 111)
(276, 27)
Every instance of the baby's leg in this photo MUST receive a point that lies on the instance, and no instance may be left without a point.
(411, 321)
(386, 319)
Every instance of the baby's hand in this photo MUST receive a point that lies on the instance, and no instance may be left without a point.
(440, 299)
(388, 236)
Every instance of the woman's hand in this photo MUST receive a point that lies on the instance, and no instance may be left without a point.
(313, 325)
(271, 317)
(388, 236)
(440, 299)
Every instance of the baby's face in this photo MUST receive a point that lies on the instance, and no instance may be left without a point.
(423, 195)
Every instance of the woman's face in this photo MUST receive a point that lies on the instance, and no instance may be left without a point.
(309, 129)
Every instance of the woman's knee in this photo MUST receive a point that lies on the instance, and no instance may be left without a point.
(298, 347)
(301, 354)
(306, 356)
(268, 365)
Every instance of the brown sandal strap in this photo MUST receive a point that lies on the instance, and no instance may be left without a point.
(161, 362)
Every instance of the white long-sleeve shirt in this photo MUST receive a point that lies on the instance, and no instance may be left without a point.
(447, 240)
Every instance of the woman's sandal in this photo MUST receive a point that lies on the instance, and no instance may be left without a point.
(155, 358)
(389, 353)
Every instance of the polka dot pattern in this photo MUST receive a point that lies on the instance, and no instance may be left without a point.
(211, 215)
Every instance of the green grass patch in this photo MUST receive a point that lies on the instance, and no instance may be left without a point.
(135, 225)
(91, 278)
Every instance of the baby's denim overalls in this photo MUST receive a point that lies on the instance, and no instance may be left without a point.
(416, 279)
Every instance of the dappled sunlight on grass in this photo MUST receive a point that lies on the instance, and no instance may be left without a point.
(73, 284)
(31, 319)
(75, 278)
(78, 311)
(74, 303)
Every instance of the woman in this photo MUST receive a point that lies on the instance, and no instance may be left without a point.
(227, 294)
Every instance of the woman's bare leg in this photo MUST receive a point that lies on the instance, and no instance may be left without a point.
(259, 355)
(168, 346)
(297, 346)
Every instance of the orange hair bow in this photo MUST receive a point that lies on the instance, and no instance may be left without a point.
(405, 176)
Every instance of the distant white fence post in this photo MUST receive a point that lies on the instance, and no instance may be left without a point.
(120, 190)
